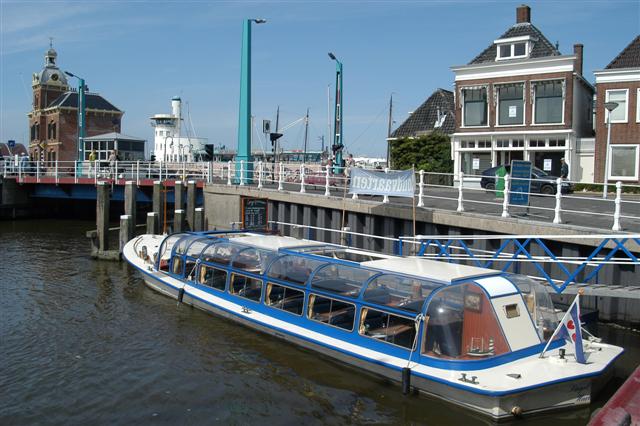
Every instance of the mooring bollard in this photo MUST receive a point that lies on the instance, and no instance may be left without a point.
(178, 221)
(126, 231)
(460, 208)
(616, 213)
(557, 217)
(157, 201)
(130, 200)
(297, 231)
(191, 204)
(259, 174)
(505, 202)
(152, 223)
(103, 202)
(199, 219)
(178, 195)
(421, 189)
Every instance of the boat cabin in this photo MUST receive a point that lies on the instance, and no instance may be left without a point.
(397, 305)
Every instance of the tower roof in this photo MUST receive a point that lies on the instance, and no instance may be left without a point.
(50, 74)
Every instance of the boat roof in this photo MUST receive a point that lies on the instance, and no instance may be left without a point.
(427, 268)
(275, 242)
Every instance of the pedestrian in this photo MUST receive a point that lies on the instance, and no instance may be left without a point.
(113, 159)
(92, 162)
(330, 165)
(24, 162)
(564, 169)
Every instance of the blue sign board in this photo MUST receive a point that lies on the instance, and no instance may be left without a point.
(520, 182)
(11, 143)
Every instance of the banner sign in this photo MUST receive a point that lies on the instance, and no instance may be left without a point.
(394, 184)
(520, 182)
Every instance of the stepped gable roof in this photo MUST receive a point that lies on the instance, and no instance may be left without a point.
(92, 101)
(423, 119)
(541, 46)
(628, 58)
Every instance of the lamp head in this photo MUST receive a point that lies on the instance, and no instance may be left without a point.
(610, 106)
(332, 56)
(259, 21)
(69, 74)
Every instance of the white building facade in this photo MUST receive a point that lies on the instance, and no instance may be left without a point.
(172, 142)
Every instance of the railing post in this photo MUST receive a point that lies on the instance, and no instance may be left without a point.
(75, 171)
(421, 189)
(229, 173)
(460, 208)
(505, 202)
(38, 171)
(241, 172)
(209, 172)
(302, 188)
(138, 173)
(259, 174)
(95, 172)
(557, 218)
(149, 173)
(56, 171)
(20, 171)
(280, 175)
(326, 181)
(616, 212)
(386, 197)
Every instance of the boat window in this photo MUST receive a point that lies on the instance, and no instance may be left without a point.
(212, 277)
(220, 253)
(461, 324)
(185, 242)
(399, 292)
(285, 298)
(165, 250)
(341, 279)
(253, 260)
(196, 247)
(294, 269)
(247, 287)
(176, 265)
(331, 311)
(539, 304)
(387, 327)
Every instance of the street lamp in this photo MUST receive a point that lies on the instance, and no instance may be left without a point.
(244, 119)
(610, 106)
(81, 115)
(337, 132)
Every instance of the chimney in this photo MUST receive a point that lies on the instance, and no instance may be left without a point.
(577, 50)
(523, 14)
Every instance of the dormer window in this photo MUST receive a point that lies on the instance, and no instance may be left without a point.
(513, 48)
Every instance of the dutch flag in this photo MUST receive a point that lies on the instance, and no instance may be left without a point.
(570, 329)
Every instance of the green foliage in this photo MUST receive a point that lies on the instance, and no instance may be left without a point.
(611, 188)
(431, 153)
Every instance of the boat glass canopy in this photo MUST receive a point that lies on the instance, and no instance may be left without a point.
(294, 269)
(341, 279)
(539, 304)
(197, 246)
(222, 253)
(253, 260)
(166, 248)
(405, 293)
(184, 242)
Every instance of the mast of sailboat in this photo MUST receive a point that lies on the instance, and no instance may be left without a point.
(389, 130)
(306, 134)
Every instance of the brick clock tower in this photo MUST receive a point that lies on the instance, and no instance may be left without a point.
(53, 121)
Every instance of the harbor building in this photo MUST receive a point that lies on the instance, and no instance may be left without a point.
(53, 121)
(521, 99)
(619, 82)
(172, 139)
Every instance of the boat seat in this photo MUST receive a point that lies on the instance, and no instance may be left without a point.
(379, 295)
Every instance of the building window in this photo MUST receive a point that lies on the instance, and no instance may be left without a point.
(510, 104)
(619, 114)
(475, 106)
(548, 103)
(474, 163)
(512, 50)
(623, 162)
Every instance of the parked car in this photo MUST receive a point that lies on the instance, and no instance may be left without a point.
(541, 182)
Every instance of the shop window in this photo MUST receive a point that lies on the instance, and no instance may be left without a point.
(387, 327)
(510, 104)
(502, 144)
(247, 287)
(461, 324)
(548, 102)
(473, 163)
(212, 277)
(285, 298)
(331, 311)
(619, 114)
(517, 143)
(475, 106)
(623, 163)
(537, 143)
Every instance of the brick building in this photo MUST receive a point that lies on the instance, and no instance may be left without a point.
(521, 99)
(619, 82)
(53, 122)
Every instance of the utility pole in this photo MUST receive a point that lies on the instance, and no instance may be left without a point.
(338, 137)
(389, 131)
(306, 134)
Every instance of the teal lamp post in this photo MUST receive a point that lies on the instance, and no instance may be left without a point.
(243, 156)
(337, 124)
(81, 117)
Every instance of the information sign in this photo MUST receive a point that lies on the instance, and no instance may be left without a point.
(476, 163)
(520, 182)
(255, 214)
(11, 143)
(546, 165)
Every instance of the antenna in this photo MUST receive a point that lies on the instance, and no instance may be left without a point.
(50, 42)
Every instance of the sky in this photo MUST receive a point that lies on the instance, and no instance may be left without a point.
(139, 54)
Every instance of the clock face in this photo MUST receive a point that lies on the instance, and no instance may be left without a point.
(54, 77)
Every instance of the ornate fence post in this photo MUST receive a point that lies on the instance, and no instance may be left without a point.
(326, 181)
(229, 173)
(280, 176)
(259, 174)
(386, 197)
(241, 172)
(557, 218)
(460, 208)
(302, 189)
(421, 189)
(505, 202)
(616, 212)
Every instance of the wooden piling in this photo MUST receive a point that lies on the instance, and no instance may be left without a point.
(178, 221)
(178, 195)
(191, 204)
(152, 223)
(126, 230)
(199, 219)
(103, 201)
(158, 200)
(130, 200)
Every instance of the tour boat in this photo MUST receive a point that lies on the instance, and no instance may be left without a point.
(471, 336)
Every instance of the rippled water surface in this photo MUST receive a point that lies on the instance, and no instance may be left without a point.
(85, 342)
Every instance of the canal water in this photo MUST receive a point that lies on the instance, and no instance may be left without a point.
(84, 341)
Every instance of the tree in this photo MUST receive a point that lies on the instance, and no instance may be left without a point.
(431, 153)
